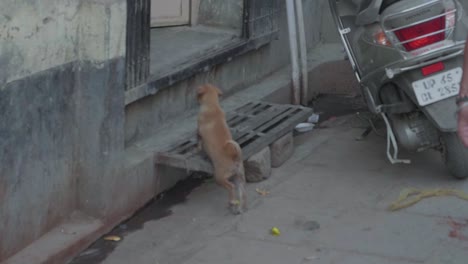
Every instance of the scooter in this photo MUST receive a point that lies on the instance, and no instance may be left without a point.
(408, 57)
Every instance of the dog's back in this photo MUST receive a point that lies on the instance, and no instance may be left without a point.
(212, 126)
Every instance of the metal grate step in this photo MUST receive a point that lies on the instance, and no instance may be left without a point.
(254, 126)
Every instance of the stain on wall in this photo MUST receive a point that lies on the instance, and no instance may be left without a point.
(101, 118)
(37, 154)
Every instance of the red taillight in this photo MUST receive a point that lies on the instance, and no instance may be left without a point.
(434, 68)
(422, 34)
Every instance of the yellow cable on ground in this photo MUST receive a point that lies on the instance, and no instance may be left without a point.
(411, 196)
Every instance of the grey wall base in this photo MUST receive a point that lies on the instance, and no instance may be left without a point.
(61, 140)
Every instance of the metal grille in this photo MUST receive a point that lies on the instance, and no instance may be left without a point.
(262, 18)
(254, 126)
(138, 42)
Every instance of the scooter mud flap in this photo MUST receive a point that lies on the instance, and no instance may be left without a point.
(443, 114)
(392, 143)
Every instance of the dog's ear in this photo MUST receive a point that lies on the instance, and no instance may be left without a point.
(220, 93)
(201, 90)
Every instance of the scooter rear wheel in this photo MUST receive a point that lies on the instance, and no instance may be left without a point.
(455, 155)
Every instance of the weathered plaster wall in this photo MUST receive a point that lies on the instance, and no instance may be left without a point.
(221, 13)
(37, 155)
(329, 33)
(102, 29)
(61, 106)
(38, 35)
(101, 117)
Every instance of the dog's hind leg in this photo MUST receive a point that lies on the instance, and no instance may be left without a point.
(239, 186)
(242, 197)
(225, 183)
(238, 180)
(235, 202)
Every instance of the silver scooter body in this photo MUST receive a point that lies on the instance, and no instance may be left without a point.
(412, 85)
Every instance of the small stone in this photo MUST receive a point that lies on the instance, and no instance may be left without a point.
(311, 258)
(258, 167)
(311, 225)
(307, 225)
(281, 150)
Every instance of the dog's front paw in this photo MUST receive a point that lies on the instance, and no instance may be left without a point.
(236, 207)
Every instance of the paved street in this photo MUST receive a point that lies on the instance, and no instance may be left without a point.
(330, 203)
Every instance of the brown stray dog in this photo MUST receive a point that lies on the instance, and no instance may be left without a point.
(216, 140)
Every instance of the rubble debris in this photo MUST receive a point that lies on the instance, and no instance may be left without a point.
(113, 238)
(262, 192)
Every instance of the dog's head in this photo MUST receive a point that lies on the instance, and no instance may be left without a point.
(208, 91)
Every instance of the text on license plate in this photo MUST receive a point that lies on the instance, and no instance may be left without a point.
(438, 87)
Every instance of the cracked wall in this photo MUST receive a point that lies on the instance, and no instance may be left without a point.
(38, 35)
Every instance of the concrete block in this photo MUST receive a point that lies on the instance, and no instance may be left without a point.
(258, 167)
(281, 150)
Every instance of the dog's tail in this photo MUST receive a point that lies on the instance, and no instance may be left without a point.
(233, 150)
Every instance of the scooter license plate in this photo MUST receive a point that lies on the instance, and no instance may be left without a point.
(438, 87)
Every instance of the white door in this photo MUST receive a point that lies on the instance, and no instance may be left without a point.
(170, 13)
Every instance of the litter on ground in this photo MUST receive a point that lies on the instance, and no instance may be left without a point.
(262, 192)
(411, 196)
(112, 238)
(275, 231)
(304, 127)
(313, 119)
